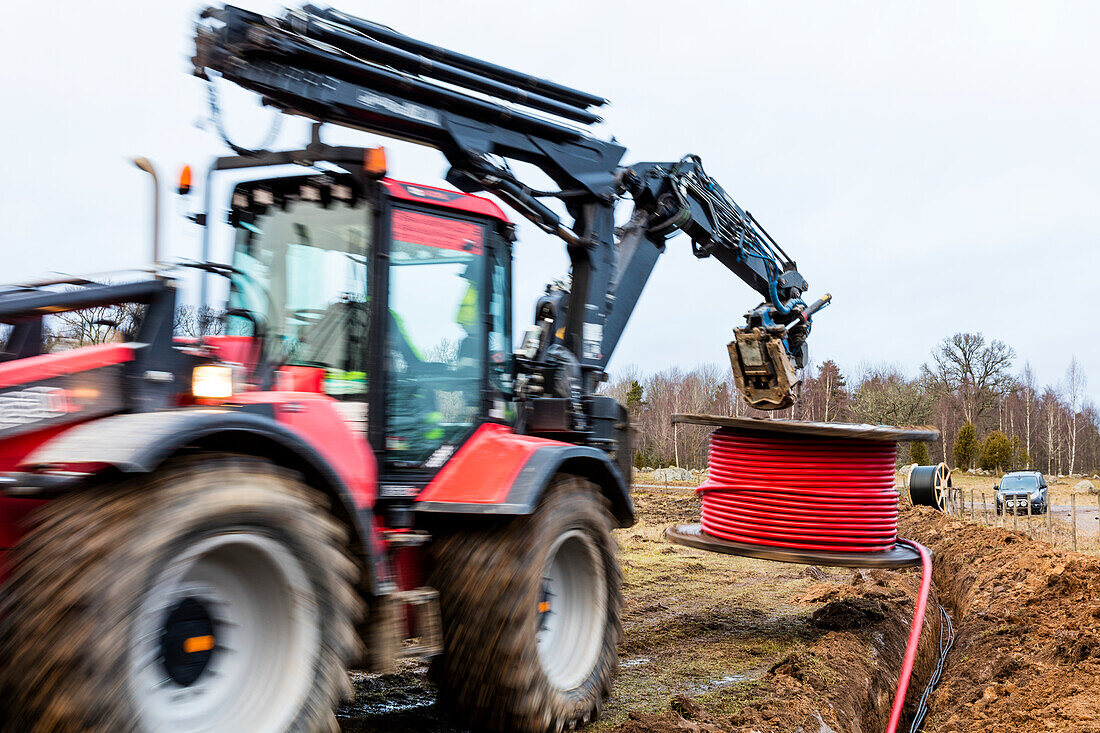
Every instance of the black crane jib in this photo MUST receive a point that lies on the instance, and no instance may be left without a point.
(339, 69)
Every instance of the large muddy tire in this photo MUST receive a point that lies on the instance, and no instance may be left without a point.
(213, 595)
(531, 615)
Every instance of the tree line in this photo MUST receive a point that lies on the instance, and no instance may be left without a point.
(990, 414)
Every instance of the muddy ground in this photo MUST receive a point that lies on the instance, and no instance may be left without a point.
(721, 643)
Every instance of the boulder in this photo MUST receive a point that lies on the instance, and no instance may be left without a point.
(1084, 487)
(671, 473)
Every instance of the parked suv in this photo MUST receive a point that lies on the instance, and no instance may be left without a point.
(1019, 488)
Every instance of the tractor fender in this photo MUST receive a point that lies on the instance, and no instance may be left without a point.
(140, 442)
(500, 473)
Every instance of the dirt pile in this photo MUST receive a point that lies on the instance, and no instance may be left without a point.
(841, 679)
(1027, 655)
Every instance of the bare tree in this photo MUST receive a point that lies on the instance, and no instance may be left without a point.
(833, 395)
(977, 373)
(198, 322)
(1029, 404)
(1050, 408)
(824, 395)
(885, 395)
(96, 325)
(444, 352)
(1075, 388)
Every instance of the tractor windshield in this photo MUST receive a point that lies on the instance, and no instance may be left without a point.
(301, 255)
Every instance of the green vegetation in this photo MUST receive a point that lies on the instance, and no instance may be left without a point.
(966, 446)
(995, 453)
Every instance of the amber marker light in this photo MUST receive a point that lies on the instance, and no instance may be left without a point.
(197, 644)
(374, 161)
(184, 184)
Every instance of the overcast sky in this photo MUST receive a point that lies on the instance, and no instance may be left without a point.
(932, 165)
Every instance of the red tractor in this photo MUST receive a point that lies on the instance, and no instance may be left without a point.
(202, 534)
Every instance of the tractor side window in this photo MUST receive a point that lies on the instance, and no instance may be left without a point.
(302, 271)
(436, 335)
(500, 336)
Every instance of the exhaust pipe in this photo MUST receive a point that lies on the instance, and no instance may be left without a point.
(145, 165)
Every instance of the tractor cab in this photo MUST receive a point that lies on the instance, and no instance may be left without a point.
(390, 297)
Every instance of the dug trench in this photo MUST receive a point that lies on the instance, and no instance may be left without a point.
(722, 643)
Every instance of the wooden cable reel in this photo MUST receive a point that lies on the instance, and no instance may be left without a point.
(930, 486)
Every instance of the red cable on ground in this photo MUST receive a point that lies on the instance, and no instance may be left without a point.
(812, 493)
(914, 634)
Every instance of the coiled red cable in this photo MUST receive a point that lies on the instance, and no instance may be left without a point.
(807, 493)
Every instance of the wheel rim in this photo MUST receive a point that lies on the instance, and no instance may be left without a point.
(572, 610)
(226, 639)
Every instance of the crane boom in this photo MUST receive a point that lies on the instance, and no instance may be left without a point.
(338, 69)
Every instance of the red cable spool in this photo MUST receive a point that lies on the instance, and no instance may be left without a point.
(823, 494)
(817, 493)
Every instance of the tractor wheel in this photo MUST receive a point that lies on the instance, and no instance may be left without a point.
(213, 595)
(531, 615)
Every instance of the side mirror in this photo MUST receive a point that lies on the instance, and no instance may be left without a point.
(996, 487)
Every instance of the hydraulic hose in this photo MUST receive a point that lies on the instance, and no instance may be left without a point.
(773, 295)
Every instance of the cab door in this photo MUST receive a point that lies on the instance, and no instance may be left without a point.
(445, 340)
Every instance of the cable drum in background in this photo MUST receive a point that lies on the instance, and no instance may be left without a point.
(930, 486)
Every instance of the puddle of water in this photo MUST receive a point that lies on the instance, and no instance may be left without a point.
(727, 680)
(395, 702)
(404, 701)
(635, 662)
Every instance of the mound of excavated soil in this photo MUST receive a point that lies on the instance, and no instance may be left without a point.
(1027, 655)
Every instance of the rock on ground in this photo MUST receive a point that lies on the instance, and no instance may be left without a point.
(672, 473)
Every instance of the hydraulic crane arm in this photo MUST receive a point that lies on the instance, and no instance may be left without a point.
(672, 197)
(339, 69)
